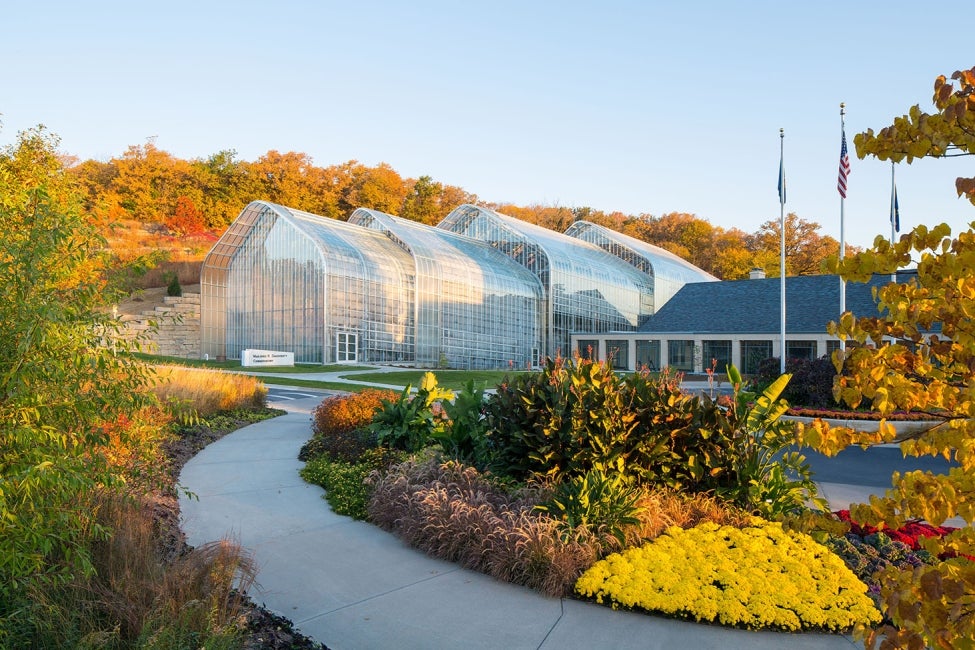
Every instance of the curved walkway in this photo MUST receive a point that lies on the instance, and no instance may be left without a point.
(351, 585)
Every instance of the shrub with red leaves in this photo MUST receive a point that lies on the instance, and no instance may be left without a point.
(908, 534)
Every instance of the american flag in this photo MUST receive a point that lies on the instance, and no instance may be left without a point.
(844, 168)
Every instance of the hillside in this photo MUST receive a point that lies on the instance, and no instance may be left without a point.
(163, 253)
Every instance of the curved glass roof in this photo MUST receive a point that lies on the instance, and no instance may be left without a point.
(669, 272)
(283, 279)
(475, 306)
(587, 288)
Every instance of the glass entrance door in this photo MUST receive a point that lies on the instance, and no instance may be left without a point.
(346, 347)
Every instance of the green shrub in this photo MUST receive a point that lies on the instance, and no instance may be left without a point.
(60, 381)
(345, 487)
(595, 501)
(578, 415)
(563, 421)
(683, 440)
(347, 446)
(173, 287)
(765, 478)
(413, 421)
(341, 425)
(812, 380)
(462, 435)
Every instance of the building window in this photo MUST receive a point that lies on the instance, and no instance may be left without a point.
(618, 354)
(753, 353)
(680, 355)
(832, 346)
(648, 355)
(800, 350)
(588, 348)
(719, 352)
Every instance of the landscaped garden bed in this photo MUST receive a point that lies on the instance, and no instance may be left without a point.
(546, 483)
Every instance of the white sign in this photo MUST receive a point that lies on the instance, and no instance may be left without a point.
(250, 358)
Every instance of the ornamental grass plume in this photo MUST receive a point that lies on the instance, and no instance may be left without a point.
(453, 512)
(661, 508)
(207, 392)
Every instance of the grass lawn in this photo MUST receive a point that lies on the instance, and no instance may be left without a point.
(452, 379)
(233, 364)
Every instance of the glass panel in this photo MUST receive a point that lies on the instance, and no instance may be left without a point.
(588, 348)
(588, 289)
(800, 349)
(648, 355)
(476, 308)
(287, 280)
(680, 355)
(753, 353)
(618, 354)
(717, 353)
(669, 272)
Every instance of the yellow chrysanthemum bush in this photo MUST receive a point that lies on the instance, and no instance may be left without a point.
(756, 576)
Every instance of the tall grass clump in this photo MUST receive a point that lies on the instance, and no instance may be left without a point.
(455, 513)
(135, 597)
(207, 392)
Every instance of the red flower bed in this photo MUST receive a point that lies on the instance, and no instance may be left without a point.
(907, 534)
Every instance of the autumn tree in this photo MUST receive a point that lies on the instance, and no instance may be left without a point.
(58, 383)
(731, 259)
(553, 217)
(93, 179)
(805, 248)
(148, 182)
(289, 179)
(225, 186)
(917, 354)
(422, 202)
(186, 219)
(948, 132)
(720, 252)
(377, 188)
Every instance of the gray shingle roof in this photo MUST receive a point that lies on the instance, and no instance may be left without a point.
(752, 306)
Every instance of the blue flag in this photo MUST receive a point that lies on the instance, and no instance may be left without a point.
(895, 213)
(781, 181)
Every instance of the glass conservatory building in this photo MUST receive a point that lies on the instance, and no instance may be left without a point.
(668, 271)
(480, 290)
(377, 289)
(474, 307)
(586, 288)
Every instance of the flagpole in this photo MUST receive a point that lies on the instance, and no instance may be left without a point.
(842, 206)
(782, 254)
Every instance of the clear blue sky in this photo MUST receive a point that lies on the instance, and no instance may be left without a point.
(642, 106)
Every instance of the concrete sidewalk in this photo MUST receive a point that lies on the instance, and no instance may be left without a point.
(351, 585)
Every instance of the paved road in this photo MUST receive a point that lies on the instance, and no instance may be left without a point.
(870, 467)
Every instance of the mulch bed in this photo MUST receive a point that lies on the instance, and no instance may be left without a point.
(265, 630)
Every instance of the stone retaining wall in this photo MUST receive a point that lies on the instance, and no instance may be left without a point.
(177, 327)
